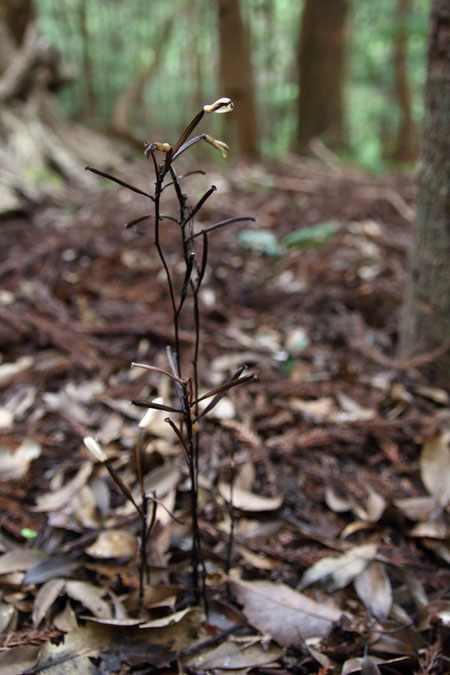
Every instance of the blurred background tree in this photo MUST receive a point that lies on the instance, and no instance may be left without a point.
(426, 311)
(130, 55)
(321, 64)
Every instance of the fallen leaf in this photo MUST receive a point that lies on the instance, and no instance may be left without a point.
(44, 570)
(19, 560)
(376, 506)
(321, 408)
(125, 622)
(66, 621)
(167, 620)
(416, 508)
(17, 660)
(353, 411)
(89, 596)
(114, 544)
(435, 467)
(261, 562)
(162, 480)
(249, 501)
(45, 598)
(287, 616)
(78, 644)
(440, 549)
(6, 418)
(8, 371)
(15, 464)
(8, 617)
(232, 656)
(335, 502)
(374, 589)
(339, 571)
(362, 665)
(54, 501)
(433, 529)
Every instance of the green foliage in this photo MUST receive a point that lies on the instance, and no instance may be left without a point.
(123, 38)
(306, 237)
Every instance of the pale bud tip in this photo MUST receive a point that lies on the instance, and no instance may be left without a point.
(222, 105)
(94, 448)
(150, 414)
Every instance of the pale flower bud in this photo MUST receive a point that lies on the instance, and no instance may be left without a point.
(219, 145)
(150, 414)
(150, 147)
(162, 147)
(222, 105)
(93, 447)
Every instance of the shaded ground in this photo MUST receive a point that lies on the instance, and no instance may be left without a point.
(341, 451)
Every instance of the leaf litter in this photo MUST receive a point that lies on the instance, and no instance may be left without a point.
(340, 502)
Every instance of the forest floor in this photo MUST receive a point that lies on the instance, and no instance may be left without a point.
(339, 558)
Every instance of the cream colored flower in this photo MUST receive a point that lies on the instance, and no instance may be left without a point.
(94, 448)
(162, 147)
(219, 145)
(222, 105)
(150, 414)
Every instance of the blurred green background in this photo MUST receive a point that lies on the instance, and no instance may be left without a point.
(168, 50)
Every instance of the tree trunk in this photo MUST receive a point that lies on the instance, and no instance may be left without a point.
(406, 146)
(121, 122)
(425, 322)
(236, 73)
(87, 61)
(321, 63)
(17, 15)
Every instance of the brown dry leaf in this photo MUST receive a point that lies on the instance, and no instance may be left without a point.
(68, 656)
(321, 408)
(167, 620)
(8, 371)
(434, 394)
(14, 465)
(369, 665)
(54, 501)
(279, 611)
(45, 598)
(181, 635)
(125, 622)
(339, 571)
(336, 503)
(230, 655)
(416, 508)
(81, 512)
(245, 476)
(162, 480)
(17, 660)
(8, 617)
(352, 411)
(89, 596)
(19, 560)
(6, 418)
(114, 544)
(249, 501)
(435, 467)
(259, 561)
(440, 549)
(66, 621)
(433, 529)
(374, 589)
(376, 506)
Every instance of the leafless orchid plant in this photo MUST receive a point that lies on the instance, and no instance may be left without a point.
(184, 412)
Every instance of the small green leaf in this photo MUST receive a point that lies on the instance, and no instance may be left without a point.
(308, 237)
(259, 240)
(27, 533)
